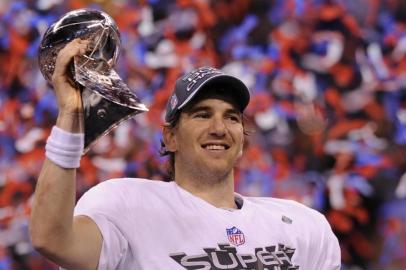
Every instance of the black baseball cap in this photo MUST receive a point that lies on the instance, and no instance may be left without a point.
(190, 84)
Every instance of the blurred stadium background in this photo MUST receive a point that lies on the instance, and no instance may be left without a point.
(328, 82)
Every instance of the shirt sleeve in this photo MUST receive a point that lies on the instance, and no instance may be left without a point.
(329, 255)
(101, 204)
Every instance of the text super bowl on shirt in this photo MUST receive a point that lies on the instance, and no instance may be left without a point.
(226, 257)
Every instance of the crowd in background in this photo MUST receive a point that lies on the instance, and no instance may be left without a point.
(327, 114)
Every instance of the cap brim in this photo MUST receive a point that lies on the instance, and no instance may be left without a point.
(238, 89)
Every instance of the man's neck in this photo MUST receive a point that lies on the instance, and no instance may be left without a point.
(219, 193)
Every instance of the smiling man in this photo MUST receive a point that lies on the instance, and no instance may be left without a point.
(204, 133)
(196, 221)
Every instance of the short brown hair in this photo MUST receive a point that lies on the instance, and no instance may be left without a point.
(170, 166)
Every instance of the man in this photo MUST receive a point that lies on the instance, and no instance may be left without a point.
(193, 222)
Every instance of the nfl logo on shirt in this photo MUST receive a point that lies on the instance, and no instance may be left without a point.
(235, 236)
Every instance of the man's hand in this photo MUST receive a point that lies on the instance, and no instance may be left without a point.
(70, 117)
(68, 97)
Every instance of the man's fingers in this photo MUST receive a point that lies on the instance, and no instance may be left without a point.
(75, 47)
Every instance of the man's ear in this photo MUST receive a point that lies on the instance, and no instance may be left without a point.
(242, 147)
(168, 136)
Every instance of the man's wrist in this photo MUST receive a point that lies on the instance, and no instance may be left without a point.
(70, 121)
(65, 148)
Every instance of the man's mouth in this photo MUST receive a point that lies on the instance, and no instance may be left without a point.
(215, 147)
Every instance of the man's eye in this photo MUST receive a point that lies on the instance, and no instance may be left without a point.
(234, 118)
(202, 115)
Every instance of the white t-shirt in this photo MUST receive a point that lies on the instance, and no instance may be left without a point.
(157, 225)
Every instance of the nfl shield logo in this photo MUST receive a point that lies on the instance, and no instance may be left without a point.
(174, 101)
(235, 236)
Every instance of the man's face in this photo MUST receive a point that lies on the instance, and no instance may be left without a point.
(209, 137)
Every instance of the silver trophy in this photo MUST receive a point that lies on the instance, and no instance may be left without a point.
(107, 100)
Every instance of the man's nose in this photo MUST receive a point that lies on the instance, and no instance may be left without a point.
(217, 127)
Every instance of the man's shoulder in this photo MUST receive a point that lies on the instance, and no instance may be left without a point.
(279, 203)
(129, 183)
(123, 192)
(128, 187)
(287, 207)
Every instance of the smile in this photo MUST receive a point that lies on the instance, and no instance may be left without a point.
(215, 147)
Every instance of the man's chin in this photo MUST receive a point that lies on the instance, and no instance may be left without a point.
(217, 170)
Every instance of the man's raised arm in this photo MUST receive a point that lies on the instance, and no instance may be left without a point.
(73, 243)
